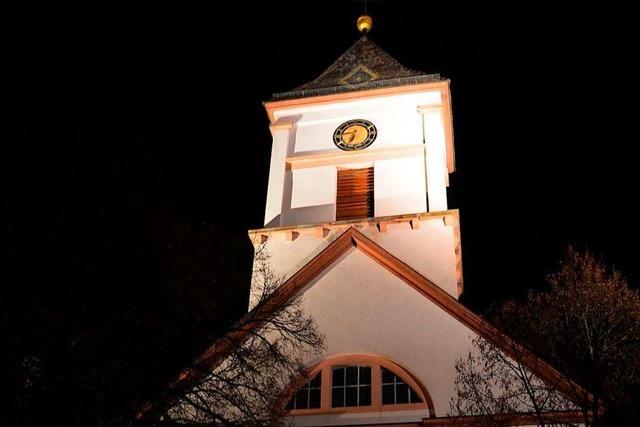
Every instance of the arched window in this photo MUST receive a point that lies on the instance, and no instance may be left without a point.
(357, 383)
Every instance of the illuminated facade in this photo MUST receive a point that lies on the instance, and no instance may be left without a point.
(358, 180)
(357, 222)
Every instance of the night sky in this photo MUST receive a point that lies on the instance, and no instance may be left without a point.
(161, 107)
(545, 116)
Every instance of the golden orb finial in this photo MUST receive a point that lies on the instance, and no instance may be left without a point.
(364, 24)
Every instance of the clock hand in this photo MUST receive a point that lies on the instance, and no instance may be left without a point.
(352, 134)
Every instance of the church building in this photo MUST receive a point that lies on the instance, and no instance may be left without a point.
(357, 222)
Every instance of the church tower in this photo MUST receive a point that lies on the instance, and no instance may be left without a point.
(357, 217)
(368, 141)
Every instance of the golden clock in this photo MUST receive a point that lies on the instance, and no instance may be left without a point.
(355, 135)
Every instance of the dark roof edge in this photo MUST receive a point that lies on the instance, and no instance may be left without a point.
(399, 81)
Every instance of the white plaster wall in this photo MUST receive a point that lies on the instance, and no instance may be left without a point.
(399, 186)
(340, 110)
(313, 196)
(396, 118)
(437, 173)
(281, 147)
(402, 126)
(308, 195)
(363, 308)
(287, 257)
(306, 192)
(430, 250)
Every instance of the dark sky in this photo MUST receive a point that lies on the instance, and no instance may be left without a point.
(545, 115)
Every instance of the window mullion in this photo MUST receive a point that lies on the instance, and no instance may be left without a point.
(358, 387)
(344, 388)
(395, 390)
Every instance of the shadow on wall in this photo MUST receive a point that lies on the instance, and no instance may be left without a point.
(309, 214)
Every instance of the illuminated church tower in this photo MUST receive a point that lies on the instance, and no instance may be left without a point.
(357, 224)
(357, 217)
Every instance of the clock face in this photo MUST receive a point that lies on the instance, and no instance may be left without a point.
(355, 135)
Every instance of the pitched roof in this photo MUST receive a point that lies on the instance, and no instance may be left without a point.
(363, 66)
(354, 238)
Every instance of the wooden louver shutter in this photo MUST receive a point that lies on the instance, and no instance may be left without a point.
(355, 194)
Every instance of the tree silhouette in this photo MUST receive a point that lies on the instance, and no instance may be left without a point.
(239, 379)
(587, 325)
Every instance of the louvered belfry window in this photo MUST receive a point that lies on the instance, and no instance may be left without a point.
(355, 194)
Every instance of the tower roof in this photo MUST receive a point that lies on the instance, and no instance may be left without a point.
(363, 66)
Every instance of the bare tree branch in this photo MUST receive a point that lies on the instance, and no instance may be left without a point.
(239, 379)
(587, 326)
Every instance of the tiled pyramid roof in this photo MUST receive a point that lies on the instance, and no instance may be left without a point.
(363, 66)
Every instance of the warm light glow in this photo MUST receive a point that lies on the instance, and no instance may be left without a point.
(364, 24)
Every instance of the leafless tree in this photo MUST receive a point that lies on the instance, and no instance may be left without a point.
(497, 388)
(239, 380)
(587, 325)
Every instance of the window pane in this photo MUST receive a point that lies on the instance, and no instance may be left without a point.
(338, 377)
(365, 375)
(351, 386)
(352, 375)
(395, 390)
(402, 393)
(387, 395)
(301, 399)
(365, 395)
(314, 399)
(414, 397)
(387, 376)
(316, 381)
(337, 397)
(351, 398)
